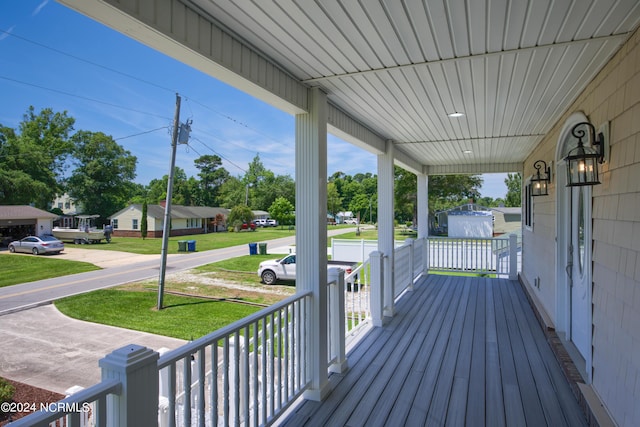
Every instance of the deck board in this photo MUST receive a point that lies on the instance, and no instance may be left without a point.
(460, 351)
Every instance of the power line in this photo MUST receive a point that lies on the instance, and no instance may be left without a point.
(95, 64)
(215, 152)
(141, 133)
(238, 122)
(82, 97)
(113, 70)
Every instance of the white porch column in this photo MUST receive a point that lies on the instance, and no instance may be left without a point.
(423, 205)
(386, 223)
(423, 218)
(311, 234)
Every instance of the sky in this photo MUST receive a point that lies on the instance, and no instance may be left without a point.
(54, 57)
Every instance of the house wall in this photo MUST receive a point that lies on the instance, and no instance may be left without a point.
(179, 226)
(614, 96)
(44, 226)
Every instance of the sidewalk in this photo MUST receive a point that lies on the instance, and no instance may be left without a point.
(44, 348)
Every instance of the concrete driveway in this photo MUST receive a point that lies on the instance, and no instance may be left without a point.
(102, 258)
(44, 348)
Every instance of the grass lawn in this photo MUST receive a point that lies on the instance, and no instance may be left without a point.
(372, 234)
(243, 268)
(15, 269)
(204, 242)
(188, 317)
(183, 317)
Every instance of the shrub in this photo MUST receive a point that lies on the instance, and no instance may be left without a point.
(6, 391)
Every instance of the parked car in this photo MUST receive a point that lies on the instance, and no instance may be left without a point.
(285, 269)
(37, 245)
(261, 222)
(271, 222)
(249, 226)
(351, 221)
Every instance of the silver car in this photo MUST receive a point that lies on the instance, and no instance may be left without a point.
(37, 245)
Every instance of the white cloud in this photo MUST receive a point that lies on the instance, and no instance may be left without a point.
(39, 8)
(7, 33)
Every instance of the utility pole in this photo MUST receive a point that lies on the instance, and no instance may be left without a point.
(167, 208)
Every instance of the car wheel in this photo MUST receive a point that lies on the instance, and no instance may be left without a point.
(268, 277)
(12, 249)
(35, 251)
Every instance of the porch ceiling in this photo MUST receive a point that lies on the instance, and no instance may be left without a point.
(399, 67)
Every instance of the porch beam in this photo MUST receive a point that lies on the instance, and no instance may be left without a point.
(386, 222)
(311, 235)
(473, 168)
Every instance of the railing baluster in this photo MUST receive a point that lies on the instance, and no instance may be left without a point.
(286, 353)
(264, 371)
(186, 384)
(236, 381)
(225, 386)
(201, 383)
(214, 384)
(272, 370)
(279, 357)
(247, 376)
(256, 382)
(172, 394)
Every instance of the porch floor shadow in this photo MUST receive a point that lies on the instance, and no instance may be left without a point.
(459, 351)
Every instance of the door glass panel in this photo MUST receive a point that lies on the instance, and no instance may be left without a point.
(581, 224)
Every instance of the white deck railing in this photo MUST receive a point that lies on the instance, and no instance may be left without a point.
(259, 370)
(357, 299)
(85, 408)
(473, 255)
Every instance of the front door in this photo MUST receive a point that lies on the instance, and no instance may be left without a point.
(579, 269)
(574, 254)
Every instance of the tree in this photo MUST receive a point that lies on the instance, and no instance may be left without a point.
(282, 211)
(212, 176)
(360, 205)
(232, 192)
(334, 201)
(239, 215)
(184, 189)
(514, 190)
(33, 160)
(143, 221)
(405, 194)
(447, 191)
(101, 181)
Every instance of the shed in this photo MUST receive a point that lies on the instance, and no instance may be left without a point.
(470, 224)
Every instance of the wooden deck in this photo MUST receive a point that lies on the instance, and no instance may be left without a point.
(460, 351)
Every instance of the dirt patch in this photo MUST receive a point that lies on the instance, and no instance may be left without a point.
(30, 397)
(207, 285)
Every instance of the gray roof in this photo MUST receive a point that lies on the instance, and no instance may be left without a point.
(177, 211)
(24, 212)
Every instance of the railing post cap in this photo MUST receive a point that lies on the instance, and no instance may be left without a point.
(128, 358)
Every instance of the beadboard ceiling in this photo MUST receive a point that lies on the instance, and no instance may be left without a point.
(399, 67)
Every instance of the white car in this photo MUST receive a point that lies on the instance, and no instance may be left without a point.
(272, 222)
(351, 221)
(285, 269)
(261, 222)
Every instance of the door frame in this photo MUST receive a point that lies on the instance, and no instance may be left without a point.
(563, 236)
